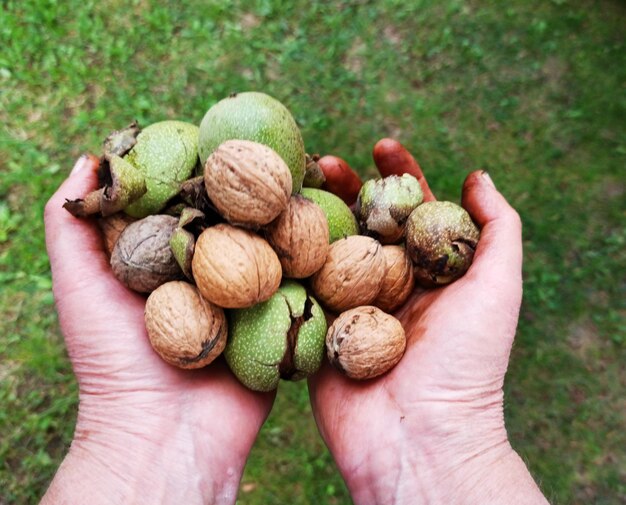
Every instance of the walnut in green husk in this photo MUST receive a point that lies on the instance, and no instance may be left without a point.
(281, 338)
(441, 239)
(383, 206)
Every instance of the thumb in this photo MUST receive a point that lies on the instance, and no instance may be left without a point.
(81, 274)
(497, 264)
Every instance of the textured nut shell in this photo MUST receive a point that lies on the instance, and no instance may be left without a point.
(142, 258)
(365, 342)
(300, 236)
(351, 275)
(234, 268)
(282, 338)
(184, 329)
(398, 281)
(112, 227)
(440, 239)
(248, 182)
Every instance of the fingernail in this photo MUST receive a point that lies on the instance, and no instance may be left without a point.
(487, 178)
(80, 164)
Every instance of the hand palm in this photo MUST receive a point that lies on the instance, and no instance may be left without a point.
(450, 378)
(117, 370)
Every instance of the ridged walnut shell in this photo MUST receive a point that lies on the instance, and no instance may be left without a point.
(184, 329)
(300, 237)
(248, 182)
(235, 268)
(352, 274)
(365, 342)
(398, 281)
(112, 227)
(142, 258)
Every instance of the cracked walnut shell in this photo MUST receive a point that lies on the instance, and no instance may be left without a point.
(248, 182)
(365, 342)
(351, 275)
(235, 268)
(300, 236)
(184, 329)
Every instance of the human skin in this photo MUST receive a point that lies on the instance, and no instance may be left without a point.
(146, 432)
(432, 429)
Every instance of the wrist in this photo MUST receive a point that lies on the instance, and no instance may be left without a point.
(134, 458)
(460, 459)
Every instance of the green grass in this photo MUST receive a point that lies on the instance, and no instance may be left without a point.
(533, 91)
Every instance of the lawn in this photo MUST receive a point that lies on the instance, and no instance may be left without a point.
(531, 90)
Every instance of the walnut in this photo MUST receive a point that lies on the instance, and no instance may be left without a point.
(365, 342)
(112, 227)
(300, 235)
(234, 268)
(248, 182)
(142, 258)
(398, 281)
(351, 275)
(184, 329)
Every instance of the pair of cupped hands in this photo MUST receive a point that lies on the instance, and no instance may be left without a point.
(429, 431)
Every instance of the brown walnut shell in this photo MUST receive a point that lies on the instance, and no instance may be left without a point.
(300, 237)
(112, 227)
(235, 268)
(184, 329)
(142, 258)
(365, 342)
(248, 182)
(351, 275)
(398, 281)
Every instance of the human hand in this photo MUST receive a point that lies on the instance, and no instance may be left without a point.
(146, 431)
(432, 429)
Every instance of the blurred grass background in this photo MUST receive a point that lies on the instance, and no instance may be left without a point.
(531, 90)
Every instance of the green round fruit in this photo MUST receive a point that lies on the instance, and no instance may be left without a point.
(282, 338)
(257, 117)
(341, 221)
(166, 154)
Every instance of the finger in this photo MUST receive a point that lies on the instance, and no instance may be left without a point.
(340, 178)
(498, 257)
(392, 158)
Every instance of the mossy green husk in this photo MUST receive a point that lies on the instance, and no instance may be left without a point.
(166, 154)
(280, 338)
(257, 117)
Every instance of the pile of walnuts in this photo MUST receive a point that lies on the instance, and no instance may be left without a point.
(238, 239)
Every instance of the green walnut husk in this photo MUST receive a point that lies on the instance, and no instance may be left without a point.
(282, 338)
(165, 154)
(441, 239)
(257, 117)
(383, 206)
